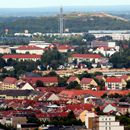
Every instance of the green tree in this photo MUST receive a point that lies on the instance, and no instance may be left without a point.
(128, 84)
(53, 58)
(2, 63)
(74, 85)
(89, 37)
(39, 83)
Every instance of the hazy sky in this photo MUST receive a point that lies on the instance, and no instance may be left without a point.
(46, 3)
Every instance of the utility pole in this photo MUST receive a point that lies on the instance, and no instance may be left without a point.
(61, 22)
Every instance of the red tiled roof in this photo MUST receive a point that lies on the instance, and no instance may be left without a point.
(106, 48)
(71, 79)
(50, 115)
(50, 89)
(43, 79)
(22, 56)
(64, 47)
(87, 56)
(86, 80)
(113, 79)
(10, 80)
(125, 77)
(29, 48)
(73, 93)
(121, 92)
(79, 106)
(99, 77)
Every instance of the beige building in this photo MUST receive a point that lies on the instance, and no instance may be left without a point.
(13, 121)
(8, 83)
(88, 83)
(107, 123)
(30, 49)
(114, 83)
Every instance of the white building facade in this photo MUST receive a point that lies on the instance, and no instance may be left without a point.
(108, 123)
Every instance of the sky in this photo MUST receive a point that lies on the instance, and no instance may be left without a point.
(49, 3)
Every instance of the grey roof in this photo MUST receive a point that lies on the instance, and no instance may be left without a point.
(15, 93)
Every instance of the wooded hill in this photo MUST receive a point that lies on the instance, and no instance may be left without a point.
(75, 22)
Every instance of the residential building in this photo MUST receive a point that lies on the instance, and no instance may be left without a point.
(106, 122)
(85, 57)
(5, 50)
(96, 43)
(47, 81)
(13, 121)
(40, 44)
(27, 86)
(89, 120)
(30, 49)
(22, 57)
(109, 108)
(15, 94)
(9, 83)
(115, 83)
(88, 83)
(106, 51)
(72, 79)
(65, 48)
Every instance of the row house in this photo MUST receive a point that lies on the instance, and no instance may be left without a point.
(85, 57)
(15, 94)
(22, 57)
(30, 50)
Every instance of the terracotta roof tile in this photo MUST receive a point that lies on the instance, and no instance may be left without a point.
(29, 48)
(10, 80)
(87, 56)
(21, 56)
(86, 80)
(113, 79)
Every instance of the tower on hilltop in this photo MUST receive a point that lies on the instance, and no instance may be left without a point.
(61, 21)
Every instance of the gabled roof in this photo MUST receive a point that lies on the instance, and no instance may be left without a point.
(86, 80)
(108, 108)
(29, 48)
(27, 86)
(72, 78)
(43, 79)
(87, 56)
(113, 80)
(10, 80)
(21, 56)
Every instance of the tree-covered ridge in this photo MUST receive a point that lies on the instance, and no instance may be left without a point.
(51, 24)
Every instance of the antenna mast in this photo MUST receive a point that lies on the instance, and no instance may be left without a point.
(61, 21)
